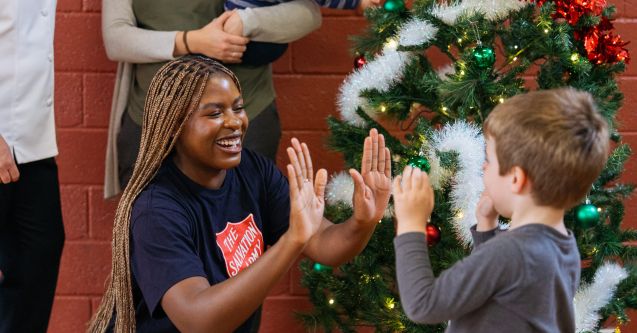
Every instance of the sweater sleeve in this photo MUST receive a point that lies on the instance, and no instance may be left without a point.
(480, 237)
(460, 289)
(126, 42)
(281, 23)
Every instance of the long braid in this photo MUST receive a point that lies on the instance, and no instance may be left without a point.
(174, 94)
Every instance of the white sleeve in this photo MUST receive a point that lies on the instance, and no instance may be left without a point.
(124, 41)
(281, 23)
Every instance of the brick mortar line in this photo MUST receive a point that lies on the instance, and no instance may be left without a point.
(74, 71)
(73, 296)
(624, 19)
(77, 14)
(82, 129)
(87, 242)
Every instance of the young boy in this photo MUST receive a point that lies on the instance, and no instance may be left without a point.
(544, 150)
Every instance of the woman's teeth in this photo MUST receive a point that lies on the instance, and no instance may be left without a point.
(229, 143)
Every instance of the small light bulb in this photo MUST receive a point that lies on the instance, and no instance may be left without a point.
(383, 108)
(574, 57)
(459, 40)
(391, 44)
(599, 210)
(501, 100)
(515, 47)
(546, 31)
(515, 58)
(331, 301)
(444, 108)
(391, 305)
(460, 215)
(461, 73)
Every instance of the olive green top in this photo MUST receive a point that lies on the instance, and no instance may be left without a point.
(169, 15)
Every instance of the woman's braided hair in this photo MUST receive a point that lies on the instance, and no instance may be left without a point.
(174, 94)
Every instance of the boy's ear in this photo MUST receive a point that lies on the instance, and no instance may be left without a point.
(519, 180)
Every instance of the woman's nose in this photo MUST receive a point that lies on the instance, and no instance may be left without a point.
(232, 121)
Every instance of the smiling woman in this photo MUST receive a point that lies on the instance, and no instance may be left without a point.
(193, 224)
(211, 138)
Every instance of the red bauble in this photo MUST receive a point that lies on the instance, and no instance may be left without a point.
(433, 235)
(359, 61)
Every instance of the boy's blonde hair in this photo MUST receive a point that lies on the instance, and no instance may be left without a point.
(557, 137)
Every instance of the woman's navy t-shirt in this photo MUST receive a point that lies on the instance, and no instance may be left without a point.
(180, 229)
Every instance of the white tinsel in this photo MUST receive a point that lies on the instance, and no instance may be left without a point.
(589, 299)
(416, 32)
(438, 175)
(379, 74)
(492, 9)
(385, 70)
(340, 189)
(467, 140)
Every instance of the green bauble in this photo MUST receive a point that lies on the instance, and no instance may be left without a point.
(319, 267)
(394, 5)
(586, 215)
(420, 162)
(483, 56)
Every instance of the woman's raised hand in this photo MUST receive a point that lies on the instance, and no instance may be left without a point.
(307, 193)
(372, 185)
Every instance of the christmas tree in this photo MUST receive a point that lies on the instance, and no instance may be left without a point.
(494, 49)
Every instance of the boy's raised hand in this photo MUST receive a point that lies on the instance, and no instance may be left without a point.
(307, 194)
(486, 214)
(413, 200)
(372, 185)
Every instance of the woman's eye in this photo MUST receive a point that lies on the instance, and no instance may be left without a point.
(214, 114)
(238, 109)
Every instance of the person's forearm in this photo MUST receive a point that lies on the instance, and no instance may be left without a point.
(124, 41)
(336, 244)
(281, 23)
(225, 306)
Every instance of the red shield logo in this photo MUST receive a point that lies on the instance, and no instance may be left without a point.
(241, 244)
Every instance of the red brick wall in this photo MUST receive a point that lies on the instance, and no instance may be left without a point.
(307, 79)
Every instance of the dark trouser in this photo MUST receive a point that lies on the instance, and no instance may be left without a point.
(263, 136)
(31, 241)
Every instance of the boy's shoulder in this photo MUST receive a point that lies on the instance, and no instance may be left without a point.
(539, 246)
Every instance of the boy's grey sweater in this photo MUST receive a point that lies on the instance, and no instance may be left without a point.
(522, 280)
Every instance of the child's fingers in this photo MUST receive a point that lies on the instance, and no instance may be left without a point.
(407, 174)
(416, 178)
(396, 186)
